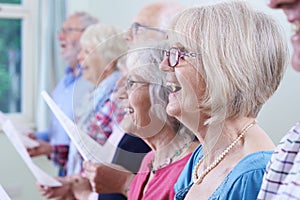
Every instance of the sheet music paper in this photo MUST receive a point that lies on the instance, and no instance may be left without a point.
(21, 130)
(13, 136)
(87, 147)
(3, 194)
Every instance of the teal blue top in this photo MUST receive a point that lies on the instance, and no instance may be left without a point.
(243, 182)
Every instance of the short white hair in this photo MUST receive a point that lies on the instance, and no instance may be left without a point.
(108, 41)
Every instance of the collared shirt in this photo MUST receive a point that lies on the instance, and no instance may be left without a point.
(282, 177)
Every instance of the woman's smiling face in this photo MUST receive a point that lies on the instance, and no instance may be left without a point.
(91, 63)
(139, 118)
(187, 89)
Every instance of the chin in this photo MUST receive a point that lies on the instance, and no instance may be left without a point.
(127, 125)
(173, 111)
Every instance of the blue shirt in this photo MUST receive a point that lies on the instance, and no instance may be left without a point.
(243, 182)
(67, 95)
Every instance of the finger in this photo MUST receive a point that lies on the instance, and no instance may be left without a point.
(48, 193)
(88, 165)
(93, 185)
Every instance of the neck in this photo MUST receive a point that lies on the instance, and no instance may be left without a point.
(213, 157)
(169, 147)
(216, 138)
(108, 71)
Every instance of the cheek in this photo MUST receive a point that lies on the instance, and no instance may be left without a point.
(140, 102)
(141, 105)
(192, 90)
(74, 45)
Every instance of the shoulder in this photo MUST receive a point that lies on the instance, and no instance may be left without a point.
(251, 168)
(244, 181)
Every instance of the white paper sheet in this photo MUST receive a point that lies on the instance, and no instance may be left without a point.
(21, 130)
(3, 194)
(41, 176)
(87, 147)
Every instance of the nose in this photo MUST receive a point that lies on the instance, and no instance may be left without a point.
(60, 36)
(121, 92)
(128, 36)
(164, 65)
(274, 3)
(292, 12)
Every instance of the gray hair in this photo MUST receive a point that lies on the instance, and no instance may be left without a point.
(242, 56)
(85, 19)
(146, 58)
(108, 41)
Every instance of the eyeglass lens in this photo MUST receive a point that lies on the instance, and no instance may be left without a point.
(173, 57)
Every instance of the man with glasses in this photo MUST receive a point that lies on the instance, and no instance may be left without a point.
(151, 22)
(282, 177)
(55, 142)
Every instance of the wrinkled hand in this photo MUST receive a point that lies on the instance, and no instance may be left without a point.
(108, 178)
(81, 187)
(63, 192)
(44, 148)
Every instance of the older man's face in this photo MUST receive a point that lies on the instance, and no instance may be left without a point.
(291, 9)
(146, 17)
(69, 37)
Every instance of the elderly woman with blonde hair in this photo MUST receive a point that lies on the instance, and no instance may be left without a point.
(225, 62)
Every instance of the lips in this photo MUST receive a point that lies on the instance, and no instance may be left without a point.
(63, 45)
(173, 87)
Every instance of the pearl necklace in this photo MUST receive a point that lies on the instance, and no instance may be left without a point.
(198, 179)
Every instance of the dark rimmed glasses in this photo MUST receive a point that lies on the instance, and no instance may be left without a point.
(135, 28)
(174, 54)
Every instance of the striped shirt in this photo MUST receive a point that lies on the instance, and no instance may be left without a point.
(282, 177)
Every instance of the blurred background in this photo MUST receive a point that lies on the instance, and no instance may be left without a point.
(30, 62)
